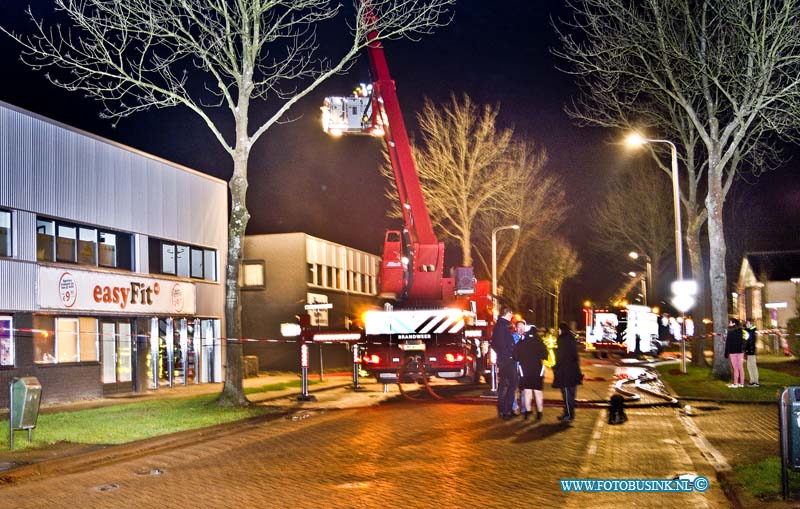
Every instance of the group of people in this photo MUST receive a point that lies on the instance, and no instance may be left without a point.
(520, 354)
(740, 342)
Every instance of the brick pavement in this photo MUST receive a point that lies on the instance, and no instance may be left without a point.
(405, 454)
(401, 455)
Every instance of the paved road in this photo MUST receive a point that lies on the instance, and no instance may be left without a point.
(401, 454)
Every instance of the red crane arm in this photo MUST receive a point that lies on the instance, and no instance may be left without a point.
(387, 110)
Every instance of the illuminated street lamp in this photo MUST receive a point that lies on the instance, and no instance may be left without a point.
(648, 271)
(683, 291)
(636, 140)
(494, 254)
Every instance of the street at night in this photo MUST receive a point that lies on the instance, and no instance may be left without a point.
(304, 253)
(401, 453)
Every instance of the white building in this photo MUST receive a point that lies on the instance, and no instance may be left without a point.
(111, 264)
(767, 289)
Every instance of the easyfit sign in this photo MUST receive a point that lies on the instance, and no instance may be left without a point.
(97, 291)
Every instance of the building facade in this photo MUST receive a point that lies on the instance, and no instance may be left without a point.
(111, 264)
(281, 274)
(767, 288)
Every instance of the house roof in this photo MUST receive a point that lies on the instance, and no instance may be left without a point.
(775, 265)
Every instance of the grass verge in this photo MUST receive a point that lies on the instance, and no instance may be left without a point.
(700, 383)
(118, 424)
(763, 479)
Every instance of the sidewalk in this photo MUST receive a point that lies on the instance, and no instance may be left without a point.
(334, 392)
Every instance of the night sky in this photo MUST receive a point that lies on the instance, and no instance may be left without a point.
(302, 180)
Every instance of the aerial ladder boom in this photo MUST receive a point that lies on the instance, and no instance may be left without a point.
(412, 263)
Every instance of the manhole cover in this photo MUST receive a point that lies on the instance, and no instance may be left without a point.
(107, 487)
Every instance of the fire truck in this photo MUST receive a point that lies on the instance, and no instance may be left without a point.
(622, 330)
(430, 325)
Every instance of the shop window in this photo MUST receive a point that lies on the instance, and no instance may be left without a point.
(5, 233)
(87, 339)
(253, 275)
(64, 340)
(45, 240)
(44, 339)
(6, 342)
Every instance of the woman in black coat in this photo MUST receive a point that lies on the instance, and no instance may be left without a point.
(567, 371)
(529, 353)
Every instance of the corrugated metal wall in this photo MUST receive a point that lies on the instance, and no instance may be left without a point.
(50, 170)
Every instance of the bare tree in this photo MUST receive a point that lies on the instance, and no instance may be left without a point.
(212, 56)
(722, 74)
(636, 215)
(476, 176)
(556, 261)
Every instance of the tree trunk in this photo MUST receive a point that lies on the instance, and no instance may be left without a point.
(717, 278)
(693, 227)
(233, 390)
(466, 249)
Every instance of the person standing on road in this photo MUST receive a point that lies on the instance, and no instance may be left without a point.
(750, 352)
(530, 352)
(567, 374)
(734, 350)
(503, 346)
(518, 335)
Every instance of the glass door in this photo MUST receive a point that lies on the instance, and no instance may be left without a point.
(116, 339)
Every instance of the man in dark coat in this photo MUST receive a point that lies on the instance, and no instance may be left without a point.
(503, 346)
(567, 370)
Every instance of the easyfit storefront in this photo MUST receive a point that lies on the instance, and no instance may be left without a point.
(143, 332)
(110, 264)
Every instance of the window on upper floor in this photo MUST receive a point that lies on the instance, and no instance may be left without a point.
(5, 233)
(183, 260)
(253, 275)
(61, 241)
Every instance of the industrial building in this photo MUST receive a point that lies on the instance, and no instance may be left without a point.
(111, 264)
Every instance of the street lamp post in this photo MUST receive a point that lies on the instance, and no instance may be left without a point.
(635, 140)
(648, 274)
(493, 391)
(494, 254)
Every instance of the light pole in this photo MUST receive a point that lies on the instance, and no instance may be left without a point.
(686, 298)
(636, 140)
(494, 255)
(648, 272)
(493, 391)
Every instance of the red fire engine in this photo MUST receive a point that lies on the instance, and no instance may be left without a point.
(431, 325)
